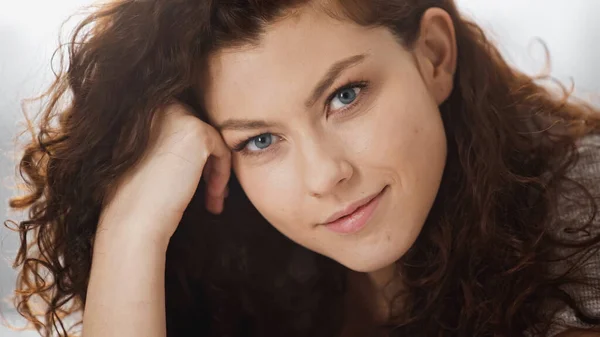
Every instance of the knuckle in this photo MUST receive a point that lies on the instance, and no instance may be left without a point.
(177, 108)
(204, 135)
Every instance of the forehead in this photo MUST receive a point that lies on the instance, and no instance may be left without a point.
(291, 57)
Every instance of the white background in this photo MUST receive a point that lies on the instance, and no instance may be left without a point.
(29, 33)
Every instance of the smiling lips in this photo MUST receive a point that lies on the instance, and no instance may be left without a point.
(355, 216)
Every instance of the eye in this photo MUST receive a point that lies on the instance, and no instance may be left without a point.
(260, 142)
(257, 145)
(346, 96)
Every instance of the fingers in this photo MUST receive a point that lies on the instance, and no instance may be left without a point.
(219, 171)
(216, 161)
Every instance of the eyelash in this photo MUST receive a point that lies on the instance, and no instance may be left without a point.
(362, 85)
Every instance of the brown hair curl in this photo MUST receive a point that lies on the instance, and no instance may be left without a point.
(485, 263)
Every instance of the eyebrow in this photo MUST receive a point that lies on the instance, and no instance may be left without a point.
(330, 76)
(245, 124)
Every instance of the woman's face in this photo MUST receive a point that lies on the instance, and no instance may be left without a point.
(324, 116)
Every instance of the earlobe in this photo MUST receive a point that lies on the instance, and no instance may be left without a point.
(437, 53)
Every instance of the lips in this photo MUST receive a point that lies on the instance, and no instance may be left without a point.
(350, 208)
(354, 216)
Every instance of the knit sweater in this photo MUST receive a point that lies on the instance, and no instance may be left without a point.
(572, 214)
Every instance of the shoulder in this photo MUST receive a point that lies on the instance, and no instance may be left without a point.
(579, 333)
(588, 149)
(582, 186)
(579, 219)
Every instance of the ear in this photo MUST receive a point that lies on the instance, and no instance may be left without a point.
(436, 53)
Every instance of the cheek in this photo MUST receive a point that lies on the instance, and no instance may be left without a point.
(415, 154)
(273, 191)
(413, 129)
(406, 146)
(404, 129)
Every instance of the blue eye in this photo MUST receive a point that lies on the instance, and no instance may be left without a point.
(256, 145)
(345, 96)
(260, 142)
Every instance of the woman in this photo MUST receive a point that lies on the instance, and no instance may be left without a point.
(422, 186)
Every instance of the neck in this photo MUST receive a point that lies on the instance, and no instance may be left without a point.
(375, 290)
(379, 279)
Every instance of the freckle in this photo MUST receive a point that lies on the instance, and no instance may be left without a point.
(388, 237)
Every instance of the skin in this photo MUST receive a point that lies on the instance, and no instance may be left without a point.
(358, 153)
(325, 156)
(379, 143)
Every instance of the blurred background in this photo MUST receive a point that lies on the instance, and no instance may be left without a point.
(29, 31)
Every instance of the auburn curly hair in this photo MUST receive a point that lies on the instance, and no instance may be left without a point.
(485, 263)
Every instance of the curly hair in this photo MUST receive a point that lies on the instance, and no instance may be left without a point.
(483, 265)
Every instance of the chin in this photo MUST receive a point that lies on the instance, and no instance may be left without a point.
(368, 263)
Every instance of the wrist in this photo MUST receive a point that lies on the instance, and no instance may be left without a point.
(132, 229)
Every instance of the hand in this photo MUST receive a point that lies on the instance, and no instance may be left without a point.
(182, 149)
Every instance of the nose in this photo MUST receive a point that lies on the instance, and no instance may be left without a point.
(325, 167)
